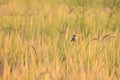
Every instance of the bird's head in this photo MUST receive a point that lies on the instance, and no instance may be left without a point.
(74, 35)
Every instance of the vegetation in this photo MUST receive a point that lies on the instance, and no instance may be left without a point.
(35, 40)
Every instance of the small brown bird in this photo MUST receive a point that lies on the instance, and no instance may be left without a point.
(73, 38)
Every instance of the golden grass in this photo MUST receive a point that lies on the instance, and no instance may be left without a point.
(35, 42)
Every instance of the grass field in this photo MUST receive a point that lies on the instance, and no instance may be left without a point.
(35, 40)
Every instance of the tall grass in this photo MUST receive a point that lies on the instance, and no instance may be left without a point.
(35, 41)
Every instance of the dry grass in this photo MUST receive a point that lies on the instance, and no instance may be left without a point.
(35, 42)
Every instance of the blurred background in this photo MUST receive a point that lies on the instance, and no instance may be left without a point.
(35, 39)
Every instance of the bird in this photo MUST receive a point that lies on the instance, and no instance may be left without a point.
(73, 38)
